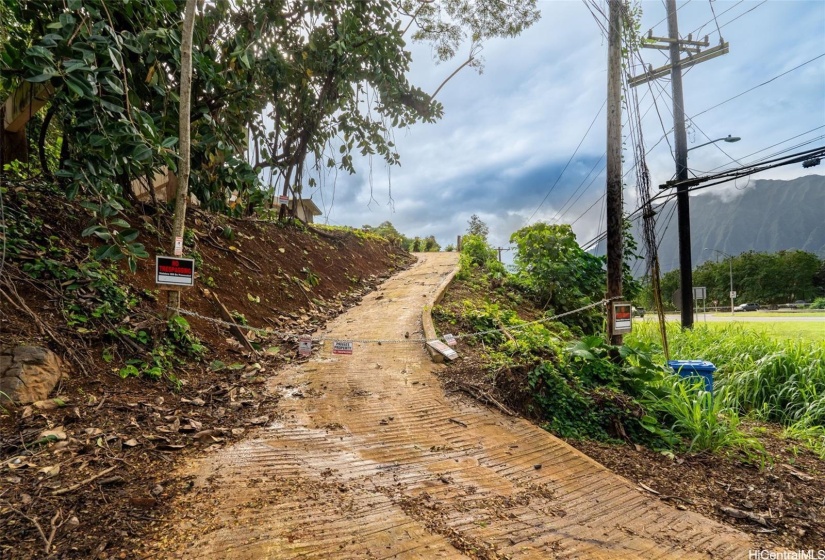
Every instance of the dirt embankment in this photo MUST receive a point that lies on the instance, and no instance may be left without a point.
(779, 503)
(94, 491)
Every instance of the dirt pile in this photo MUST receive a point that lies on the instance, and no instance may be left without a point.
(85, 473)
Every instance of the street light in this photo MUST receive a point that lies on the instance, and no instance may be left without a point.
(727, 138)
(730, 262)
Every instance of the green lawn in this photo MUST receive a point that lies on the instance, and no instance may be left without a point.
(780, 330)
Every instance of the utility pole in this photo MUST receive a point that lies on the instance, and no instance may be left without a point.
(614, 162)
(500, 249)
(695, 55)
(682, 197)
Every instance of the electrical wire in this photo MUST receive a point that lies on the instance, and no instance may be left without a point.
(743, 13)
(713, 11)
(774, 154)
(699, 29)
(578, 188)
(605, 167)
(759, 85)
(568, 162)
(664, 19)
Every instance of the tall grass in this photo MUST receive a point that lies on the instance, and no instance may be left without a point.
(777, 380)
(698, 416)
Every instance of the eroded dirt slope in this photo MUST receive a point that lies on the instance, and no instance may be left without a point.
(369, 459)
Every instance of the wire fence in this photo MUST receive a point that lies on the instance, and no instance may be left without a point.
(298, 338)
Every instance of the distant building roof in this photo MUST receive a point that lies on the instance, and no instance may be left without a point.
(309, 206)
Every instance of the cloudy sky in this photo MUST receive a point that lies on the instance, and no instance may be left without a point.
(508, 133)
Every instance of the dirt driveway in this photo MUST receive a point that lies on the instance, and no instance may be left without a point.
(370, 460)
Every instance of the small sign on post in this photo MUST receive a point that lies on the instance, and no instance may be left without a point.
(305, 345)
(342, 347)
(283, 200)
(178, 246)
(733, 294)
(174, 271)
(699, 292)
(622, 317)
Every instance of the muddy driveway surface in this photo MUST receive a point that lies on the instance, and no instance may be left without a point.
(371, 460)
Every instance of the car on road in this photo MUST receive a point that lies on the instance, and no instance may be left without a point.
(746, 307)
(638, 311)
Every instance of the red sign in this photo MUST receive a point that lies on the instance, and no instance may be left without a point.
(174, 271)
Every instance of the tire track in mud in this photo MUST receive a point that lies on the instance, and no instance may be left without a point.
(370, 459)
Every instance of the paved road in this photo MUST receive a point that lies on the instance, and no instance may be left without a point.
(372, 460)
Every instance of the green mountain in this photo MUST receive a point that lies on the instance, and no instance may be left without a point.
(767, 216)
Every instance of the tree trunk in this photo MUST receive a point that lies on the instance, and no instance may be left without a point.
(184, 134)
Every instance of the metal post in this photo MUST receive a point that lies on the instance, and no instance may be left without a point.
(730, 262)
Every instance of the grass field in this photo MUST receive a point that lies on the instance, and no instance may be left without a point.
(814, 331)
(804, 330)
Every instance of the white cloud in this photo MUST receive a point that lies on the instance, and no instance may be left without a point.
(508, 132)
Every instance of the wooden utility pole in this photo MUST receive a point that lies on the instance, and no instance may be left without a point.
(614, 162)
(695, 55)
(184, 135)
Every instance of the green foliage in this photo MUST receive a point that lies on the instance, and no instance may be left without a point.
(557, 273)
(299, 85)
(764, 278)
(477, 257)
(311, 279)
(818, 303)
(577, 405)
(477, 228)
(696, 415)
(776, 380)
(811, 436)
(177, 344)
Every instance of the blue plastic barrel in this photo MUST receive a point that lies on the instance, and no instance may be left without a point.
(695, 368)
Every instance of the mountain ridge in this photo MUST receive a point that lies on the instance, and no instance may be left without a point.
(768, 216)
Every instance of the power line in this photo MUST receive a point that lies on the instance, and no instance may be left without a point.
(795, 146)
(713, 11)
(666, 196)
(655, 97)
(698, 29)
(561, 210)
(744, 13)
(760, 85)
(694, 184)
(665, 18)
(568, 162)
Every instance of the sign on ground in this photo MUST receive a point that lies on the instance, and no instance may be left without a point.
(442, 349)
(342, 347)
(305, 345)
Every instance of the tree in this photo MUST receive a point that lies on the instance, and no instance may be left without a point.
(292, 86)
(431, 245)
(185, 109)
(477, 227)
(556, 272)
